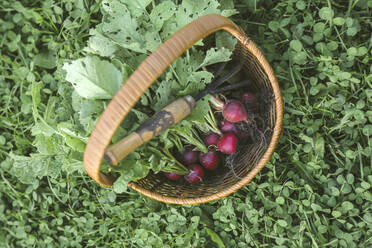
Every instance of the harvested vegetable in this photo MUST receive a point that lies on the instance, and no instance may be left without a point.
(228, 143)
(196, 174)
(172, 176)
(210, 160)
(234, 111)
(211, 139)
(190, 157)
(228, 127)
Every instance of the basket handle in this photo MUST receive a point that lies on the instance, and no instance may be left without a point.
(141, 79)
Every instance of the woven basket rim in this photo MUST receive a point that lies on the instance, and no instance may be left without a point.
(252, 48)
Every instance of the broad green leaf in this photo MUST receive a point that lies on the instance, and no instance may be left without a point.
(362, 51)
(137, 7)
(296, 45)
(142, 117)
(280, 200)
(306, 138)
(214, 237)
(195, 59)
(215, 55)
(367, 130)
(349, 22)
(201, 110)
(274, 26)
(226, 4)
(131, 170)
(282, 223)
(27, 168)
(317, 36)
(229, 12)
(339, 21)
(301, 5)
(319, 27)
(93, 78)
(192, 9)
(41, 128)
(352, 31)
(332, 46)
(75, 144)
(161, 13)
(336, 213)
(99, 44)
(36, 98)
(227, 7)
(365, 185)
(352, 51)
(2, 140)
(35, 93)
(196, 83)
(347, 206)
(326, 13)
(300, 58)
(284, 22)
(319, 146)
(86, 108)
(183, 72)
(121, 184)
(46, 60)
(117, 16)
(152, 41)
(226, 40)
(163, 95)
(49, 145)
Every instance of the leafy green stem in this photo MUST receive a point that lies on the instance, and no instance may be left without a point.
(181, 168)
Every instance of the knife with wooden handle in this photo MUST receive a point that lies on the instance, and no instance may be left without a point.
(168, 116)
(162, 120)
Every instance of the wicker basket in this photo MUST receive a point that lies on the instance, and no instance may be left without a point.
(155, 186)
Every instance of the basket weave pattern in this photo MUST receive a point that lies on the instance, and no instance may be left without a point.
(251, 160)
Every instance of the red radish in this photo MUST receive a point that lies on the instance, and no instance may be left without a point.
(209, 160)
(172, 176)
(250, 99)
(196, 174)
(227, 144)
(228, 127)
(234, 111)
(190, 157)
(211, 139)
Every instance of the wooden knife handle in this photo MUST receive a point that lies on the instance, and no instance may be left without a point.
(161, 121)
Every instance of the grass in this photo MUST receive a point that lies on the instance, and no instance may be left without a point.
(315, 192)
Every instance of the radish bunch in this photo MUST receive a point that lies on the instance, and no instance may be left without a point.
(219, 145)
